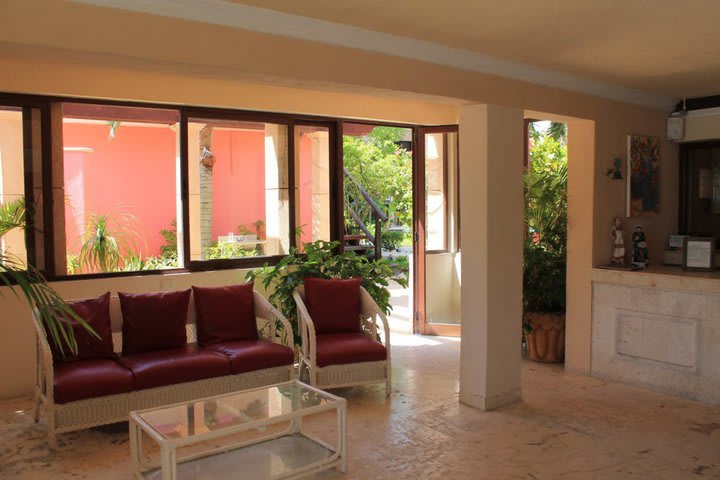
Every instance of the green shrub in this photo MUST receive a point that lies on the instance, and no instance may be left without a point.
(230, 250)
(392, 239)
(320, 260)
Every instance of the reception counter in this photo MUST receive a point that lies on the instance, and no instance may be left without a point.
(658, 328)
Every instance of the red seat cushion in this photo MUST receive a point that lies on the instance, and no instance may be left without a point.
(177, 365)
(153, 321)
(343, 348)
(333, 304)
(225, 313)
(96, 313)
(251, 355)
(89, 379)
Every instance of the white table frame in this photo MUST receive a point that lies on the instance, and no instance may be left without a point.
(168, 446)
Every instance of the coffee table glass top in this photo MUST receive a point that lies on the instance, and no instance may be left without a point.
(200, 417)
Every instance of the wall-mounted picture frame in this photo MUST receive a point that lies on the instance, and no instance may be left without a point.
(699, 254)
(643, 176)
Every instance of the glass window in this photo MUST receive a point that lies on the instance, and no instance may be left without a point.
(238, 189)
(120, 170)
(12, 185)
(312, 183)
(436, 191)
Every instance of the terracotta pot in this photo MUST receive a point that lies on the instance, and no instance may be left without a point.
(546, 341)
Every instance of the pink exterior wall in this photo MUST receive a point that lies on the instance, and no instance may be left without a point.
(135, 173)
(305, 193)
(238, 180)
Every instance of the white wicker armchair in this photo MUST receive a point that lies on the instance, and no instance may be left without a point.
(90, 412)
(346, 374)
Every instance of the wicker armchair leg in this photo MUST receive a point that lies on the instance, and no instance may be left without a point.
(52, 435)
(388, 387)
(36, 406)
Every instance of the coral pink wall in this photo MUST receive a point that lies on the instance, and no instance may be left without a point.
(134, 173)
(238, 180)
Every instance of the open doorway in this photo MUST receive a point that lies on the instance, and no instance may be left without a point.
(401, 203)
(378, 205)
(545, 243)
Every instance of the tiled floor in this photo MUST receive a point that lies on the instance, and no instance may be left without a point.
(567, 426)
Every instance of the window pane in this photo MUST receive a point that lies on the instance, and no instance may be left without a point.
(12, 184)
(312, 199)
(238, 189)
(120, 166)
(436, 198)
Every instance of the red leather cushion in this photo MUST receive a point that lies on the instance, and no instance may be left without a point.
(89, 379)
(153, 321)
(342, 348)
(225, 313)
(333, 304)
(96, 312)
(177, 365)
(250, 355)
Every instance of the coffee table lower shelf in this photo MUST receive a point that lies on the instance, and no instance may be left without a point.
(291, 456)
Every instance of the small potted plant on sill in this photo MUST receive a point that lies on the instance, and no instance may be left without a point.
(545, 258)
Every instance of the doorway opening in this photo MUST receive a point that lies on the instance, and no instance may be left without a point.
(545, 243)
(378, 205)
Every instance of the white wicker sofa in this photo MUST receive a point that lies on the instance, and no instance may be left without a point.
(100, 410)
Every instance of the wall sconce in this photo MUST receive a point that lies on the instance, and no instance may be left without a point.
(615, 172)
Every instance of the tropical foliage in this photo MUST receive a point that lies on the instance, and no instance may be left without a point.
(25, 281)
(105, 239)
(546, 219)
(384, 169)
(320, 260)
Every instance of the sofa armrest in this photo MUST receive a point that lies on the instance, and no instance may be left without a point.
(265, 310)
(44, 376)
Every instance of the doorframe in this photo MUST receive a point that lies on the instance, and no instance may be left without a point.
(420, 324)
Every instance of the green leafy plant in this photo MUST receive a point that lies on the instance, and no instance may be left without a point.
(105, 238)
(12, 215)
(169, 248)
(229, 250)
(545, 247)
(319, 259)
(384, 169)
(73, 264)
(25, 281)
(392, 239)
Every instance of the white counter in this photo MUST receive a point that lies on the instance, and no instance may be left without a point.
(658, 328)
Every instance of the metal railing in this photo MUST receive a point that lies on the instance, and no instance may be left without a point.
(362, 209)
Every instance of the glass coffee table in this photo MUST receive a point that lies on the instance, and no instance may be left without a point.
(254, 434)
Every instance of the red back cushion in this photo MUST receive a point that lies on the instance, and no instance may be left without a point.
(153, 321)
(333, 304)
(96, 313)
(225, 313)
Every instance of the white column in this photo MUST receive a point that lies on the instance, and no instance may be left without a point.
(491, 164)
(277, 204)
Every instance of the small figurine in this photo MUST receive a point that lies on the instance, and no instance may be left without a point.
(616, 234)
(639, 247)
(615, 173)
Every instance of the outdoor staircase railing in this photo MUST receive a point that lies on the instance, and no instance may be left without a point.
(362, 209)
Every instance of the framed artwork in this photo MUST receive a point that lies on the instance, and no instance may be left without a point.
(643, 177)
(699, 253)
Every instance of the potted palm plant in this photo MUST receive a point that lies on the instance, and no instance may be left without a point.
(545, 253)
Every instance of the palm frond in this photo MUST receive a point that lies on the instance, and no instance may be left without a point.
(12, 215)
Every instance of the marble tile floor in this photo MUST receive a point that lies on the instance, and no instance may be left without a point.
(566, 427)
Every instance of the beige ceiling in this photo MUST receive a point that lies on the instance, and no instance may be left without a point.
(670, 47)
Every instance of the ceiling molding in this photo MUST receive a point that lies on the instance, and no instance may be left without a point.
(245, 17)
